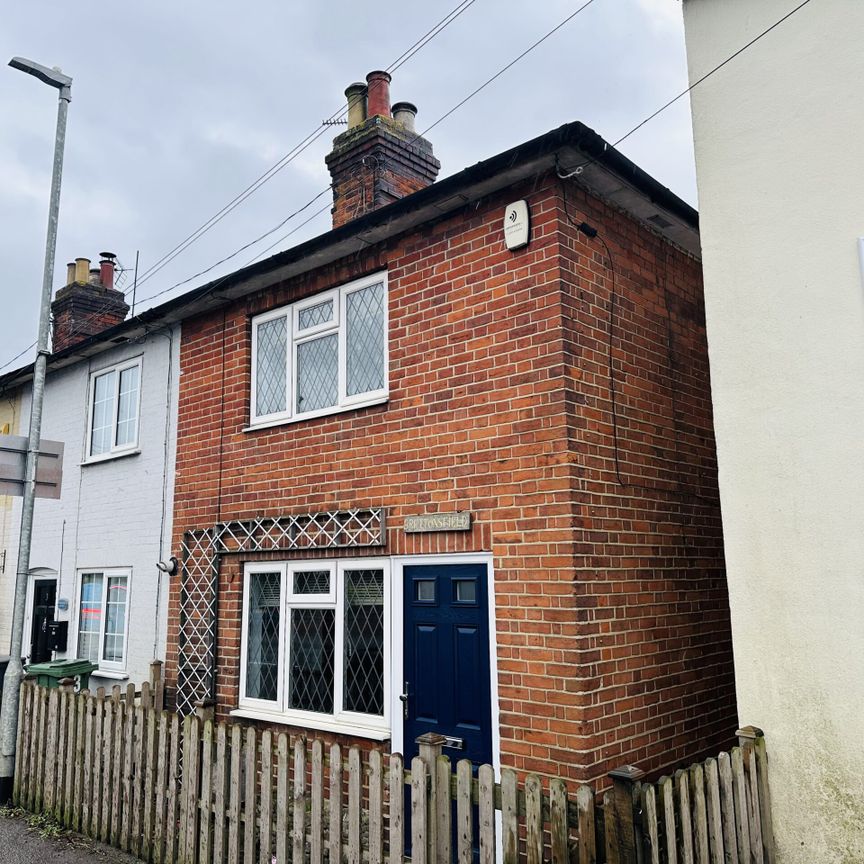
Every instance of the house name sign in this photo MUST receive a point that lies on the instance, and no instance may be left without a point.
(438, 522)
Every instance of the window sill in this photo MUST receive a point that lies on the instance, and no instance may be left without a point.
(312, 415)
(369, 732)
(110, 457)
(108, 673)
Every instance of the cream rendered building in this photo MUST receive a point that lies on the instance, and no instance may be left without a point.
(10, 417)
(780, 166)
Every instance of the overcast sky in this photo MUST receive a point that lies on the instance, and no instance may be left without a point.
(177, 107)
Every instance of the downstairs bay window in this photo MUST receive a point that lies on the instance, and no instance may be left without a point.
(315, 646)
(322, 354)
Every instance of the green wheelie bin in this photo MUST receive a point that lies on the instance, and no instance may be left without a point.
(49, 674)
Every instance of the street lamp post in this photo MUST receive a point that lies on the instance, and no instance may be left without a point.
(14, 671)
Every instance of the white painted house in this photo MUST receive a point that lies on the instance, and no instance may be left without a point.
(111, 398)
(780, 165)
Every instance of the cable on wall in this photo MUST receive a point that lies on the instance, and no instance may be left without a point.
(592, 233)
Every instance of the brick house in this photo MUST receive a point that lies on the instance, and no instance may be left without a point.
(425, 482)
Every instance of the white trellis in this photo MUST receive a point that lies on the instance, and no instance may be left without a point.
(202, 550)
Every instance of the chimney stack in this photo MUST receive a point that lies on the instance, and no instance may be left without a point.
(379, 158)
(88, 304)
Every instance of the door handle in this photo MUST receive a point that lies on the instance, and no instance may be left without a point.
(403, 698)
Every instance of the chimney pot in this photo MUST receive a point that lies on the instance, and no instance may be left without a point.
(404, 114)
(356, 94)
(378, 99)
(70, 272)
(106, 269)
(82, 270)
(94, 276)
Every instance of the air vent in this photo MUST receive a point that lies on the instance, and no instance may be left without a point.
(660, 221)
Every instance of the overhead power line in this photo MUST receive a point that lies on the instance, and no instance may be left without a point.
(573, 172)
(298, 148)
(326, 189)
(292, 154)
(579, 168)
(470, 96)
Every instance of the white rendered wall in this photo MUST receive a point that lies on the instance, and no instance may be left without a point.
(779, 138)
(115, 513)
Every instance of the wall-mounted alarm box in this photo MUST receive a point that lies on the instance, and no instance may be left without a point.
(517, 225)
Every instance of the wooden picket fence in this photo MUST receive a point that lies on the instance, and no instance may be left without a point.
(120, 769)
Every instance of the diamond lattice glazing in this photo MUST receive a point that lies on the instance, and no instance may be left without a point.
(270, 395)
(364, 641)
(312, 643)
(365, 339)
(312, 582)
(262, 638)
(312, 316)
(317, 373)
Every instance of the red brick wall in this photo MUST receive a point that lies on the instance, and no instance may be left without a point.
(654, 634)
(612, 634)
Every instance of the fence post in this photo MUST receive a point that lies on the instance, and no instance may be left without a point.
(752, 736)
(157, 685)
(620, 821)
(205, 709)
(431, 745)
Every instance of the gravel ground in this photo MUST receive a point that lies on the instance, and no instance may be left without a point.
(23, 841)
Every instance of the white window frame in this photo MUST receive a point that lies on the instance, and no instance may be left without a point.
(91, 397)
(107, 573)
(348, 722)
(295, 336)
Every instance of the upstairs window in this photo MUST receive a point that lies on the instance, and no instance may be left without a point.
(323, 354)
(113, 410)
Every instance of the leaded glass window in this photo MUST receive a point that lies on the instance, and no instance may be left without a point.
(364, 641)
(262, 636)
(364, 337)
(322, 354)
(270, 375)
(315, 642)
(312, 642)
(317, 373)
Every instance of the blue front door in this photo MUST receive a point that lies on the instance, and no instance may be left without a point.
(447, 686)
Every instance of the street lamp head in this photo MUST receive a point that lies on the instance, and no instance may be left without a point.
(52, 77)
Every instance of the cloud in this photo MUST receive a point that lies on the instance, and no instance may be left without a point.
(184, 105)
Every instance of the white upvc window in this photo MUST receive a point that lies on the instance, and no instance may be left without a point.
(103, 616)
(315, 648)
(322, 354)
(112, 417)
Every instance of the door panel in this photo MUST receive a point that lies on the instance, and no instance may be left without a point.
(424, 656)
(468, 677)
